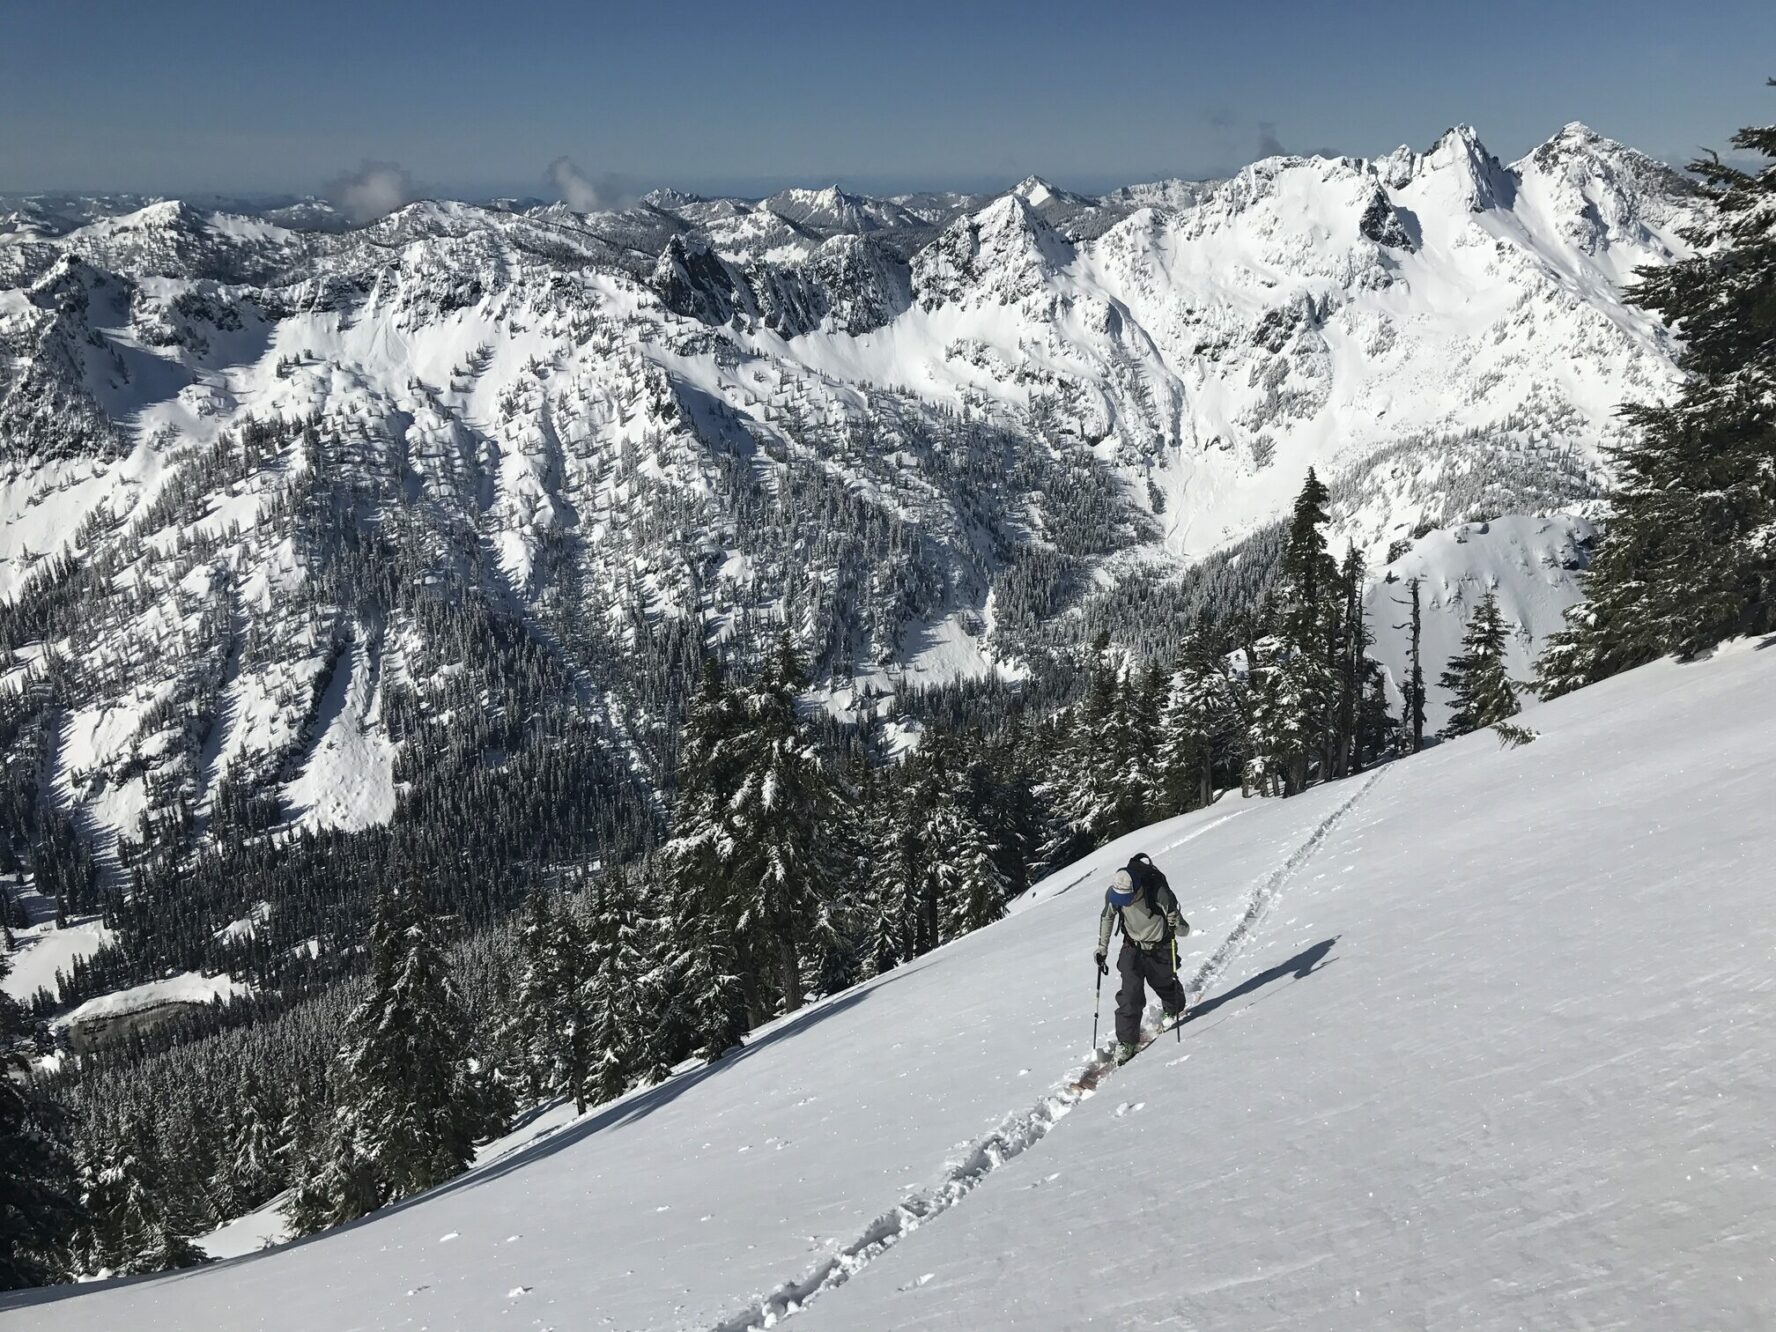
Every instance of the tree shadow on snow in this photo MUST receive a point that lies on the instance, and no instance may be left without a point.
(1299, 967)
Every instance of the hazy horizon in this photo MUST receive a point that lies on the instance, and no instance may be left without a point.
(549, 100)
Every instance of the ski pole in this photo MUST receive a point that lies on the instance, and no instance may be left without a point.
(1178, 1026)
(1097, 1003)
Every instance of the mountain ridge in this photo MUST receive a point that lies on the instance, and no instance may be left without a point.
(523, 469)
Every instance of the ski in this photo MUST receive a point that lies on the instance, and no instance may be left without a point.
(1103, 1060)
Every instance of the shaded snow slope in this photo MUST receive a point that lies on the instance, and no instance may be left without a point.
(1531, 563)
(1485, 1046)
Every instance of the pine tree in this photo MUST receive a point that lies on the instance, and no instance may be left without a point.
(613, 1031)
(1374, 723)
(780, 860)
(1688, 554)
(1481, 692)
(959, 858)
(700, 858)
(1198, 712)
(545, 1025)
(1286, 690)
(132, 1224)
(407, 1100)
(334, 1185)
(1350, 662)
(252, 1170)
(1299, 686)
(892, 889)
(1111, 780)
(39, 1211)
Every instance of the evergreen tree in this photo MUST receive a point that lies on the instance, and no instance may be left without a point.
(613, 1031)
(894, 823)
(1374, 723)
(545, 1028)
(1350, 646)
(1198, 712)
(334, 1185)
(1481, 692)
(253, 1168)
(38, 1202)
(779, 858)
(959, 858)
(700, 860)
(1286, 690)
(407, 1098)
(1688, 554)
(132, 1226)
(1298, 696)
(1112, 780)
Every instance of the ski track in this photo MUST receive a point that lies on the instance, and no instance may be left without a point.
(1025, 1129)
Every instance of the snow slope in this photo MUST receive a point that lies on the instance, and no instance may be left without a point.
(1529, 562)
(42, 950)
(1486, 1045)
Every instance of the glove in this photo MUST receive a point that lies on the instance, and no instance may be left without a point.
(1180, 926)
(1103, 966)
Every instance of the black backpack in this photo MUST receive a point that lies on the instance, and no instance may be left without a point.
(1148, 879)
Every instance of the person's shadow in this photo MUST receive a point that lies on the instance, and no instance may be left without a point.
(1299, 967)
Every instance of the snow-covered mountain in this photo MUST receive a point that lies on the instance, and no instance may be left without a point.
(282, 508)
(1481, 1042)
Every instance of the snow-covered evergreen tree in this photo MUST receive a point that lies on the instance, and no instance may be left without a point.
(780, 859)
(1297, 686)
(894, 824)
(132, 1225)
(1375, 723)
(546, 1021)
(1287, 689)
(335, 1185)
(38, 1202)
(252, 1167)
(1688, 555)
(960, 856)
(1197, 714)
(1481, 690)
(407, 1099)
(615, 1033)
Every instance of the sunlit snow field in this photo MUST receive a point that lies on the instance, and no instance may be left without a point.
(1487, 1046)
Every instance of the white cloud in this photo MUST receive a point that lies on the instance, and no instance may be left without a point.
(374, 189)
(583, 194)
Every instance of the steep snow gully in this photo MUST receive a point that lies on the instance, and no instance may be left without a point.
(1023, 1130)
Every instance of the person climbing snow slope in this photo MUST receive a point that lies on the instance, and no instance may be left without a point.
(1142, 902)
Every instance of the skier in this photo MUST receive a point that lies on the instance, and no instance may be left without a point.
(1142, 901)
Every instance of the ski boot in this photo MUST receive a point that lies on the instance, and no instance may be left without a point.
(1125, 1052)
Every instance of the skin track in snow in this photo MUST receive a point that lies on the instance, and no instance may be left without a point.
(1534, 1092)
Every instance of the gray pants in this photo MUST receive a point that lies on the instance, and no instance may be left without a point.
(1137, 966)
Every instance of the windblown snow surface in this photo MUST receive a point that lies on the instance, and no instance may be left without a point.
(1485, 1044)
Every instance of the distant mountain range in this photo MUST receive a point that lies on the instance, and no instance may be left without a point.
(294, 515)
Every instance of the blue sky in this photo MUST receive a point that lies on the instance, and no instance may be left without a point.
(475, 98)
